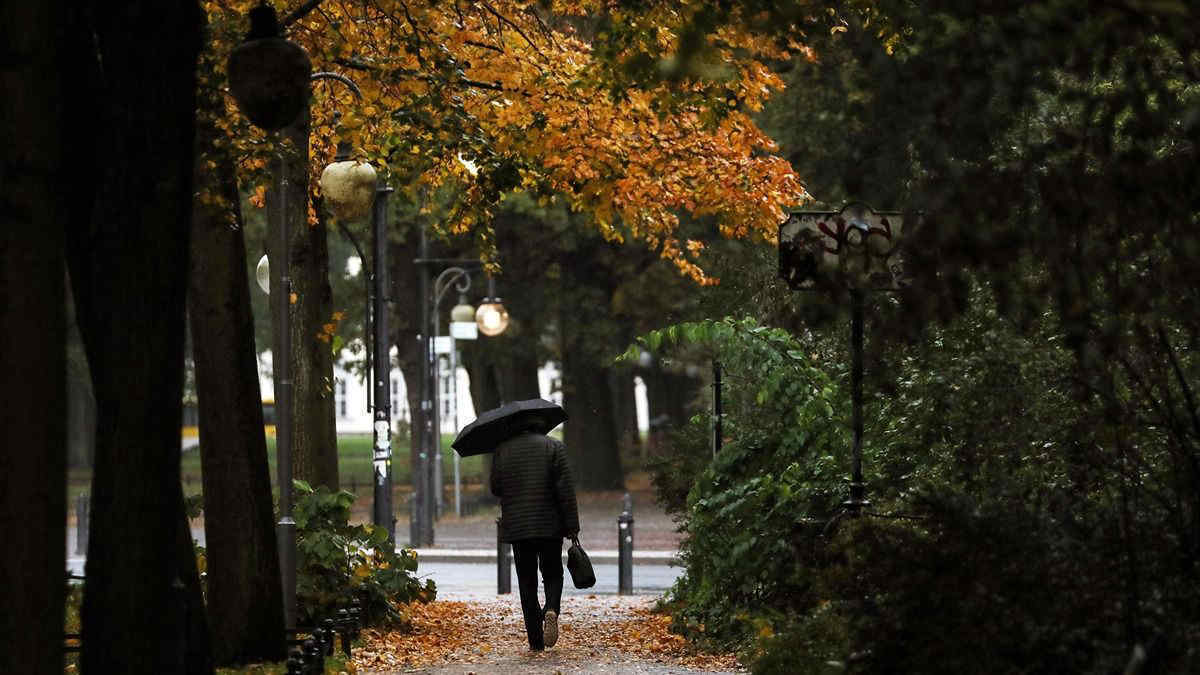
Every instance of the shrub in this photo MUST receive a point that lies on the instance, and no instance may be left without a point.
(1015, 527)
(750, 512)
(338, 562)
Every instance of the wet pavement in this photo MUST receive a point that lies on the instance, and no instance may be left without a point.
(462, 561)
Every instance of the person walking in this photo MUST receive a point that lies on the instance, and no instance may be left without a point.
(538, 509)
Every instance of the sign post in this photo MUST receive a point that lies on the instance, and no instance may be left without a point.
(855, 249)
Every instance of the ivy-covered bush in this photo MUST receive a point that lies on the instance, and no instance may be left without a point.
(338, 562)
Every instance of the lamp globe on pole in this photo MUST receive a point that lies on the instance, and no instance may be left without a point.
(491, 317)
(262, 274)
(462, 321)
(269, 74)
(348, 185)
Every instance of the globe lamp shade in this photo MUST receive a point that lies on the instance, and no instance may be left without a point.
(262, 274)
(462, 322)
(349, 188)
(491, 317)
(268, 74)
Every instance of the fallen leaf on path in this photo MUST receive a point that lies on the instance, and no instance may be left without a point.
(490, 630)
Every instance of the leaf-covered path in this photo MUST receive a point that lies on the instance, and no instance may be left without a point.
(486, 636)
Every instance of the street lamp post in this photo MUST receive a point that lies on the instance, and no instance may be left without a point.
(460, 279)
(351, 188)
(282, 376)
(269, 79)
(462, 327)
(421, 522)
(491, 319)
(383, 369)
(854, 249)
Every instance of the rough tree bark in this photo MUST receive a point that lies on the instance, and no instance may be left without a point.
(32, 344)
(128, 249)
(629, 440)
(591, 431)
(501, 369)
(671, 397)
(314, 434)
(245, 603)
(404, 326)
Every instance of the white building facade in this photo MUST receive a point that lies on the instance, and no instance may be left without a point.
(352, 415)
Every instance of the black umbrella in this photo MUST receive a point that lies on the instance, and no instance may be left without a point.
(500, 424)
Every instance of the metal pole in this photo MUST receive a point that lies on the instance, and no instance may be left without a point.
(625, 548)
(454, 393)
(717, 413)
(436, 403)
(421, 483)
(383, 371)
(81, 524)
(857, 487)
(281, 365)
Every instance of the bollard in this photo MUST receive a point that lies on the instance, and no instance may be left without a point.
(82, 509)
(364, 607)
(295, 663)
(503, 564)
(330, 627)
(319, 640)
(344, 628)
(314, 661)
(625, 548)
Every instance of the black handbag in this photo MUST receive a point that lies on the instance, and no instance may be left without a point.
(580, 566)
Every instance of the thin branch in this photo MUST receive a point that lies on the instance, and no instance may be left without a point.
(546, 31)
(299, 13)
(484, 45)
(504, 19)
(1179, 375)
(354, 64)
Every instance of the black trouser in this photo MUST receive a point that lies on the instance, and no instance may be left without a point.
(529, 555)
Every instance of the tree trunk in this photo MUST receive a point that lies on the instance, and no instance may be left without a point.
(81, 414)
(670, 397)
(404, 325)
(590, 433)
(501, 369)
(245, 603)
(32, 344)
(629, 441)
(314, 433)
(128, 253)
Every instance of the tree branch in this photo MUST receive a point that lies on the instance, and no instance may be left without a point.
(299, 13)
(1188, 396)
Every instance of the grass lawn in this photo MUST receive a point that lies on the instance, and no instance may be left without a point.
(355, 470)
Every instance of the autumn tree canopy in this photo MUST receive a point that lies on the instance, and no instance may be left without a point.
(500, 96)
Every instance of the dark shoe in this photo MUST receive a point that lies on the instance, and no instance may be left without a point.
(550, 627)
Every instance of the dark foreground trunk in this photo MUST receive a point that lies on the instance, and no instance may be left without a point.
(245, 605)
(142, 608)
(32, 342)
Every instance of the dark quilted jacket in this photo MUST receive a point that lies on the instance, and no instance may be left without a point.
(537, 496)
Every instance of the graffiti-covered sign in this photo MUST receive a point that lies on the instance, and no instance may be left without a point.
(852, 248)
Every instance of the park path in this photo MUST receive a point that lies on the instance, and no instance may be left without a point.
(485, 635)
